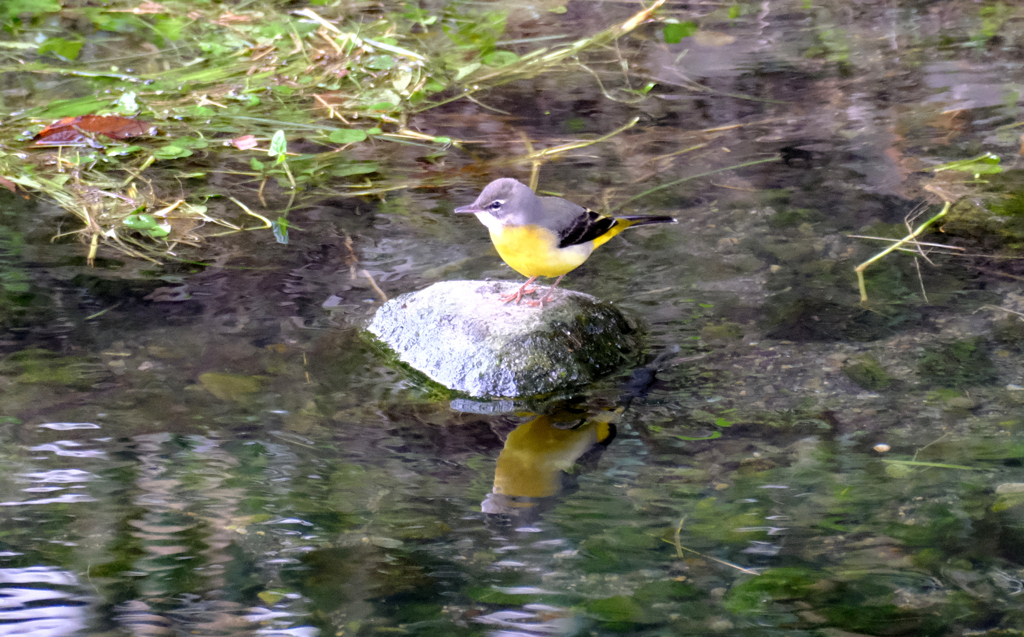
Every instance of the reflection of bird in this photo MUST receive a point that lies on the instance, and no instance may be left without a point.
(537, 454)
(544, 236)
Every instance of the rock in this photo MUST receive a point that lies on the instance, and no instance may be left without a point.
(459, 334)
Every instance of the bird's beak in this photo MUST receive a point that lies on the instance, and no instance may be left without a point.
(471, 209)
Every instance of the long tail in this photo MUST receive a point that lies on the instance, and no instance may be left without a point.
(643, 220)
(623, 223)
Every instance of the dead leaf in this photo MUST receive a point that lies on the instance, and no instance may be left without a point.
(82, 130)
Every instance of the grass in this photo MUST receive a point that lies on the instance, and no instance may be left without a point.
(260, 106)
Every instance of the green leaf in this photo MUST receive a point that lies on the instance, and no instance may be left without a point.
(160, 231)
(64, 48)
(559, 9)
(676, 31)
(987, 164)
(140, 222)
(442, 140)
(280, 228)
(256, 164)
(171, 152)
(466, 70)
(191, 142)
(500, 58)
(170, 28)
(373, 131)
(734, 12)
(361, 168)
(402, 79)
(347, 135)
(714, 435)
(278, 146)
(380, 63)
(121, 151)
(10, 9)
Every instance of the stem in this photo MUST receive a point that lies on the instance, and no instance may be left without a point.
(910, 237)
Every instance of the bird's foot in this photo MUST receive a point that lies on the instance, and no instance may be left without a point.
(518, 295)
(541, 301)
(521, 292)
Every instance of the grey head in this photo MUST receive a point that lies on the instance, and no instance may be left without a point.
(505, 201)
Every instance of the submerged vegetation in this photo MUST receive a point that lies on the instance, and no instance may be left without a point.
(245, 112)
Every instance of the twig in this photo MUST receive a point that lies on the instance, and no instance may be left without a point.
(919, 243)
(374, 284)
(996, 307)
(685, 179)
(913, 234)
(920, 279)
(680, 548)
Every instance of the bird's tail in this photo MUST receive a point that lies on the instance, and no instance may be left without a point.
(643, 220)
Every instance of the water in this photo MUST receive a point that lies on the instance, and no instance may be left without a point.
(217, 451)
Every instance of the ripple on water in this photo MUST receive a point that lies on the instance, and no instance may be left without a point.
(40, 601)
(68, 426)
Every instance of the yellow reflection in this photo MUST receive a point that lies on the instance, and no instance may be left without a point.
(538, 452)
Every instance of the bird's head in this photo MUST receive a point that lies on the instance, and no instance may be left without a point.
(503, 202)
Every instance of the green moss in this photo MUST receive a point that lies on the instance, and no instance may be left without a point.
(793, 217)
(994, 221)
(868, 373)
(958, 364)
(1009, 333)
(776, 584)
(724, 331)
(39, 366)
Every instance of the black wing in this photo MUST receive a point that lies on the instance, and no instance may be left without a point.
(588, 226)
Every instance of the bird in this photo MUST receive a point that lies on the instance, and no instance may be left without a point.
(544, 236)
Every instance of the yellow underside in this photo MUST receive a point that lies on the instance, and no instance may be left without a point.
(533, 251)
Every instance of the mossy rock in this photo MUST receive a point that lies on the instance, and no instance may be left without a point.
(459, 334)
(993, 219)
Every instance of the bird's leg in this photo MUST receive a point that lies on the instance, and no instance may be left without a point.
(547, 297)
(518, 294)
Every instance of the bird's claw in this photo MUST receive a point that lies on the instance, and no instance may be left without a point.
(518, 295)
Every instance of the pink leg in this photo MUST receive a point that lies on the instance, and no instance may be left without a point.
(518, 294)
(547, 297)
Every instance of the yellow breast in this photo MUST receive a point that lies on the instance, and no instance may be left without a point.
(533, 251)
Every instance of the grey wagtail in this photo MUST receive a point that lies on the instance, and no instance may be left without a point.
(544, 236)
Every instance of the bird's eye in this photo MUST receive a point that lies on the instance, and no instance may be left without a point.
(496, 204)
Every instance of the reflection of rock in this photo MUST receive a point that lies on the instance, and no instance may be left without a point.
(459, 334)
(537, 453)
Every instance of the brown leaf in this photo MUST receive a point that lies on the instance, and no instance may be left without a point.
(8, 184)
(229, 18)
(80, 131)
